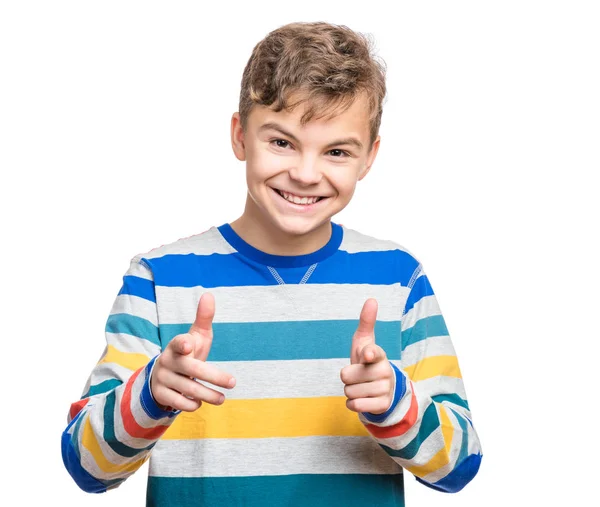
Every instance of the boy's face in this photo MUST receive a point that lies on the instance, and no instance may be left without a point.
(324, 159)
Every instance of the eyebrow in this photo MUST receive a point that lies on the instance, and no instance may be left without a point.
(275, 126)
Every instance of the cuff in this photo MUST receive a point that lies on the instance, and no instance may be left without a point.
(399, 391)
(147, 400)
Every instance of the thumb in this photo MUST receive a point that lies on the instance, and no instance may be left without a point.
(201, 330)
(365, 332)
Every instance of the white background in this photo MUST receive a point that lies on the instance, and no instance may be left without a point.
(114, 139)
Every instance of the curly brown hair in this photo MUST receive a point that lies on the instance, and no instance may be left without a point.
(329, 65)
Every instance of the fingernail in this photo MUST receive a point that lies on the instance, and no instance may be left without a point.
(221, 399)
(232, 382)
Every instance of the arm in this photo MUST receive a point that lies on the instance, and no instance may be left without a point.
(428, 428)
(113, 427)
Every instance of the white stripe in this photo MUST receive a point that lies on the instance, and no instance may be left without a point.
(441, 472)
(428, 449)
(137, 306)
(130, 344)
(284, 379)
(426, 307)
(433, 346)
(474, 444)
(218, 457)
(354, 241)
(106, 371)
(88, 461)
(281, 302)
(441, 385)
(205, 243)
(138, 269)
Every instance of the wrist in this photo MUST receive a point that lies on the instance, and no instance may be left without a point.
(152, 406)
(398, 393)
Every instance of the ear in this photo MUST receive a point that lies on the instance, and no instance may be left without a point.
(370, 158)
(237, 137)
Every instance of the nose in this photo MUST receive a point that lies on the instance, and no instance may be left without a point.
(306, 172)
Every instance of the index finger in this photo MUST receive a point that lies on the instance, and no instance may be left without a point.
(205, 372)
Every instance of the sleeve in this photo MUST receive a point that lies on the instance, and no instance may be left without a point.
(428, 429)
(112, 429)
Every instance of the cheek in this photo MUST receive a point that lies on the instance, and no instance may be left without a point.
(264, 165)
(344, 186)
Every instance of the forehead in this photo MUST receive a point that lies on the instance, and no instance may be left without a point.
(333, 119)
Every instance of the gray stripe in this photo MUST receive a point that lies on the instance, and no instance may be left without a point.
(354, 241)
(204, 243)
(284, 379)
(281, 302)
(217, 457)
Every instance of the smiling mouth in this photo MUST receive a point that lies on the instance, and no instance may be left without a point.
(297, 199)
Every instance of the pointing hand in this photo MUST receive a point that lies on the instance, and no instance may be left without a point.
(369, 378)
(183, 360)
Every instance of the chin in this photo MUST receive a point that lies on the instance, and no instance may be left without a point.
(297, 226)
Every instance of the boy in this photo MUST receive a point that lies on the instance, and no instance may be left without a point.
(328, 344)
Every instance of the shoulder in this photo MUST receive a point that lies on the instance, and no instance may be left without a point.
(355, 241)
(382, 251)
(204, 243)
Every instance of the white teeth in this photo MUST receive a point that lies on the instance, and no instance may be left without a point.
(299, 200)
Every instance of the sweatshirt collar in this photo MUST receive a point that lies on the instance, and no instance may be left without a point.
(283, 261)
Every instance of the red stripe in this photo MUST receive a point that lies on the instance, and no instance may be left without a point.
(400, 427)
(129, 422)
(77, 406)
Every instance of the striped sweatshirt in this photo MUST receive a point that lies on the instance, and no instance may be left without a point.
(283, 328)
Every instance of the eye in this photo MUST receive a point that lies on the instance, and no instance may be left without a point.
(337, 150)
(278, 143)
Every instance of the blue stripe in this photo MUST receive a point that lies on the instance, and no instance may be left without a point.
(423, 329)
(135, 326)
(71, 461)
(140, 287)
(399, 391)
(314, 490)
(102, 387)
(147, 400)
(231, 270)
(459, 477)
(283, 261)
(452, 398)
(261, 341)
(420, 289)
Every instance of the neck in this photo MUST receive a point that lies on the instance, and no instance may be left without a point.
(262, 234)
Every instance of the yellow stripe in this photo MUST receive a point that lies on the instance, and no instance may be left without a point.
(282, 417)
(447, 428)
(432, 367)
(438, 461)
(128, 360)
(442, 458)
(88, 440)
